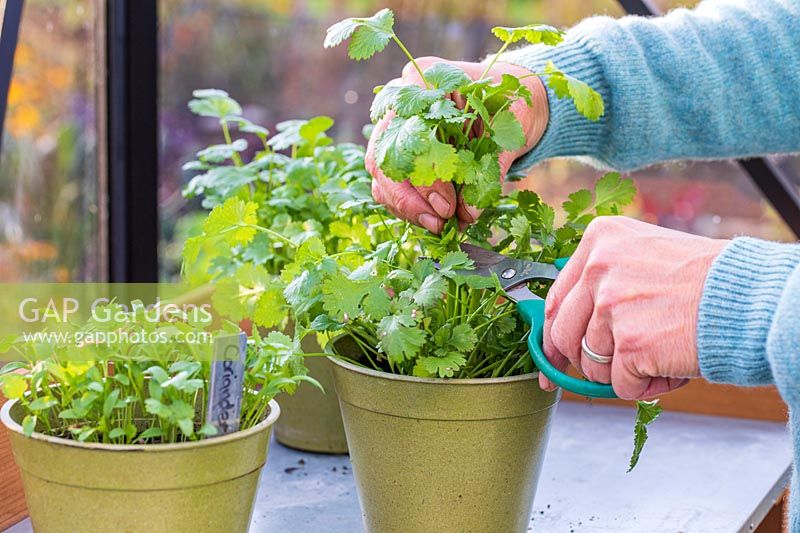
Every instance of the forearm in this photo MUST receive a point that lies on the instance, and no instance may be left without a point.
(716, 82)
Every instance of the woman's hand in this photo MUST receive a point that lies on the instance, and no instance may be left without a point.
(431, 206)
(634, 290)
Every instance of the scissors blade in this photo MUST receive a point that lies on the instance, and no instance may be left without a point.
(511, 272)
(520, 292)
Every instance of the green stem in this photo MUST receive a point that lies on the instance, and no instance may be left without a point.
(237, 160)
(268, 231)
(411, 58)
(494, 59)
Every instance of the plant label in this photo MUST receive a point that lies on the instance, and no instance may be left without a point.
(227, 376)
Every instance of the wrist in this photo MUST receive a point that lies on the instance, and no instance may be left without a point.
(534, 117)
(567, 133)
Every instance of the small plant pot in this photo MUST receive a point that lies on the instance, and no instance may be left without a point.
(310, 419)
(445, 455)
(208, 485)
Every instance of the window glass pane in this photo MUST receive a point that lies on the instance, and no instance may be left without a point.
(269, 56)
(714, 199)
(48, 171)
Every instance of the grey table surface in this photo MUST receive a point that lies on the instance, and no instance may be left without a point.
(697, 474)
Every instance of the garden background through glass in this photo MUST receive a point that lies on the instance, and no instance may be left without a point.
(268, 55)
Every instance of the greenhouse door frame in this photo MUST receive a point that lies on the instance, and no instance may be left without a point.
(131, 105)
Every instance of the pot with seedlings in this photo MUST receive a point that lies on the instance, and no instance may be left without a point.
(147, 431)
(301, 186)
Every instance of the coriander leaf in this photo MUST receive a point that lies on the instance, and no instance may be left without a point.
(577, 203)
(28, 425)
(355, 233)
(438, 163)
(311, 251)
(397, 146)
(340, 32)
(533, 33)
(467, 168)
(342, 296)
(237, 295)
(587, 101)
(520, 229)
(302, 133)
(209, 93)
(302, 292)
(313, 131)
(218, 153)
(442, 367)
(288, 134)
(547, 219)
(411, 100)
(231, 220)
(446, 77)
(443, 109)
(214, 103)
(422, 269)
(399, 337)
(646, 413)
(507, 131)
(477, 104)
(454, 261)
(366, 272)
(463, 338)
(475, 86)
(269, 310)
(431, 290)
(325, 323)
(475, 281)
(13, 386)
(377, 304)
(612, 192)
(486, 189)
(367, 35)
(219, 183)
(259, 250)
(506, 324)
(383, 100)
(246, 126)
(509, 88)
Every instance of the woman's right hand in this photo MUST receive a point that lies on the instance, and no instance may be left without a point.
(430, 207)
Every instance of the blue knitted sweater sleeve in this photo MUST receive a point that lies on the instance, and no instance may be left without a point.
(748, 328)
(719, 81)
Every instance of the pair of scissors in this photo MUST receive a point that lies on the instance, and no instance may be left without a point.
(514, 276)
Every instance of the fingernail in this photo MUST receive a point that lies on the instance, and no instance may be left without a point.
(429, 222)
(440, 205)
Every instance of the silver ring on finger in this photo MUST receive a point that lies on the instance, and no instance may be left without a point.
(593, 356)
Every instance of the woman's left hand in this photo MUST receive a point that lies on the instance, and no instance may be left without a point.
(634, 290)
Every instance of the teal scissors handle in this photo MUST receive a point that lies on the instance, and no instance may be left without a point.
(532, 312)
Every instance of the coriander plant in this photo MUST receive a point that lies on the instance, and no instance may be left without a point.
(296, 186)
(151, 387)
(443, 323)
(429, 138)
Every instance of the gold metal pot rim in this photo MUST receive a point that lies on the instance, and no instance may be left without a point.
(11, 424)
(438, 381)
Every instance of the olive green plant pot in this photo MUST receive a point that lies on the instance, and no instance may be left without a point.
(454, 455)
(208, 485)
(310, 418)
